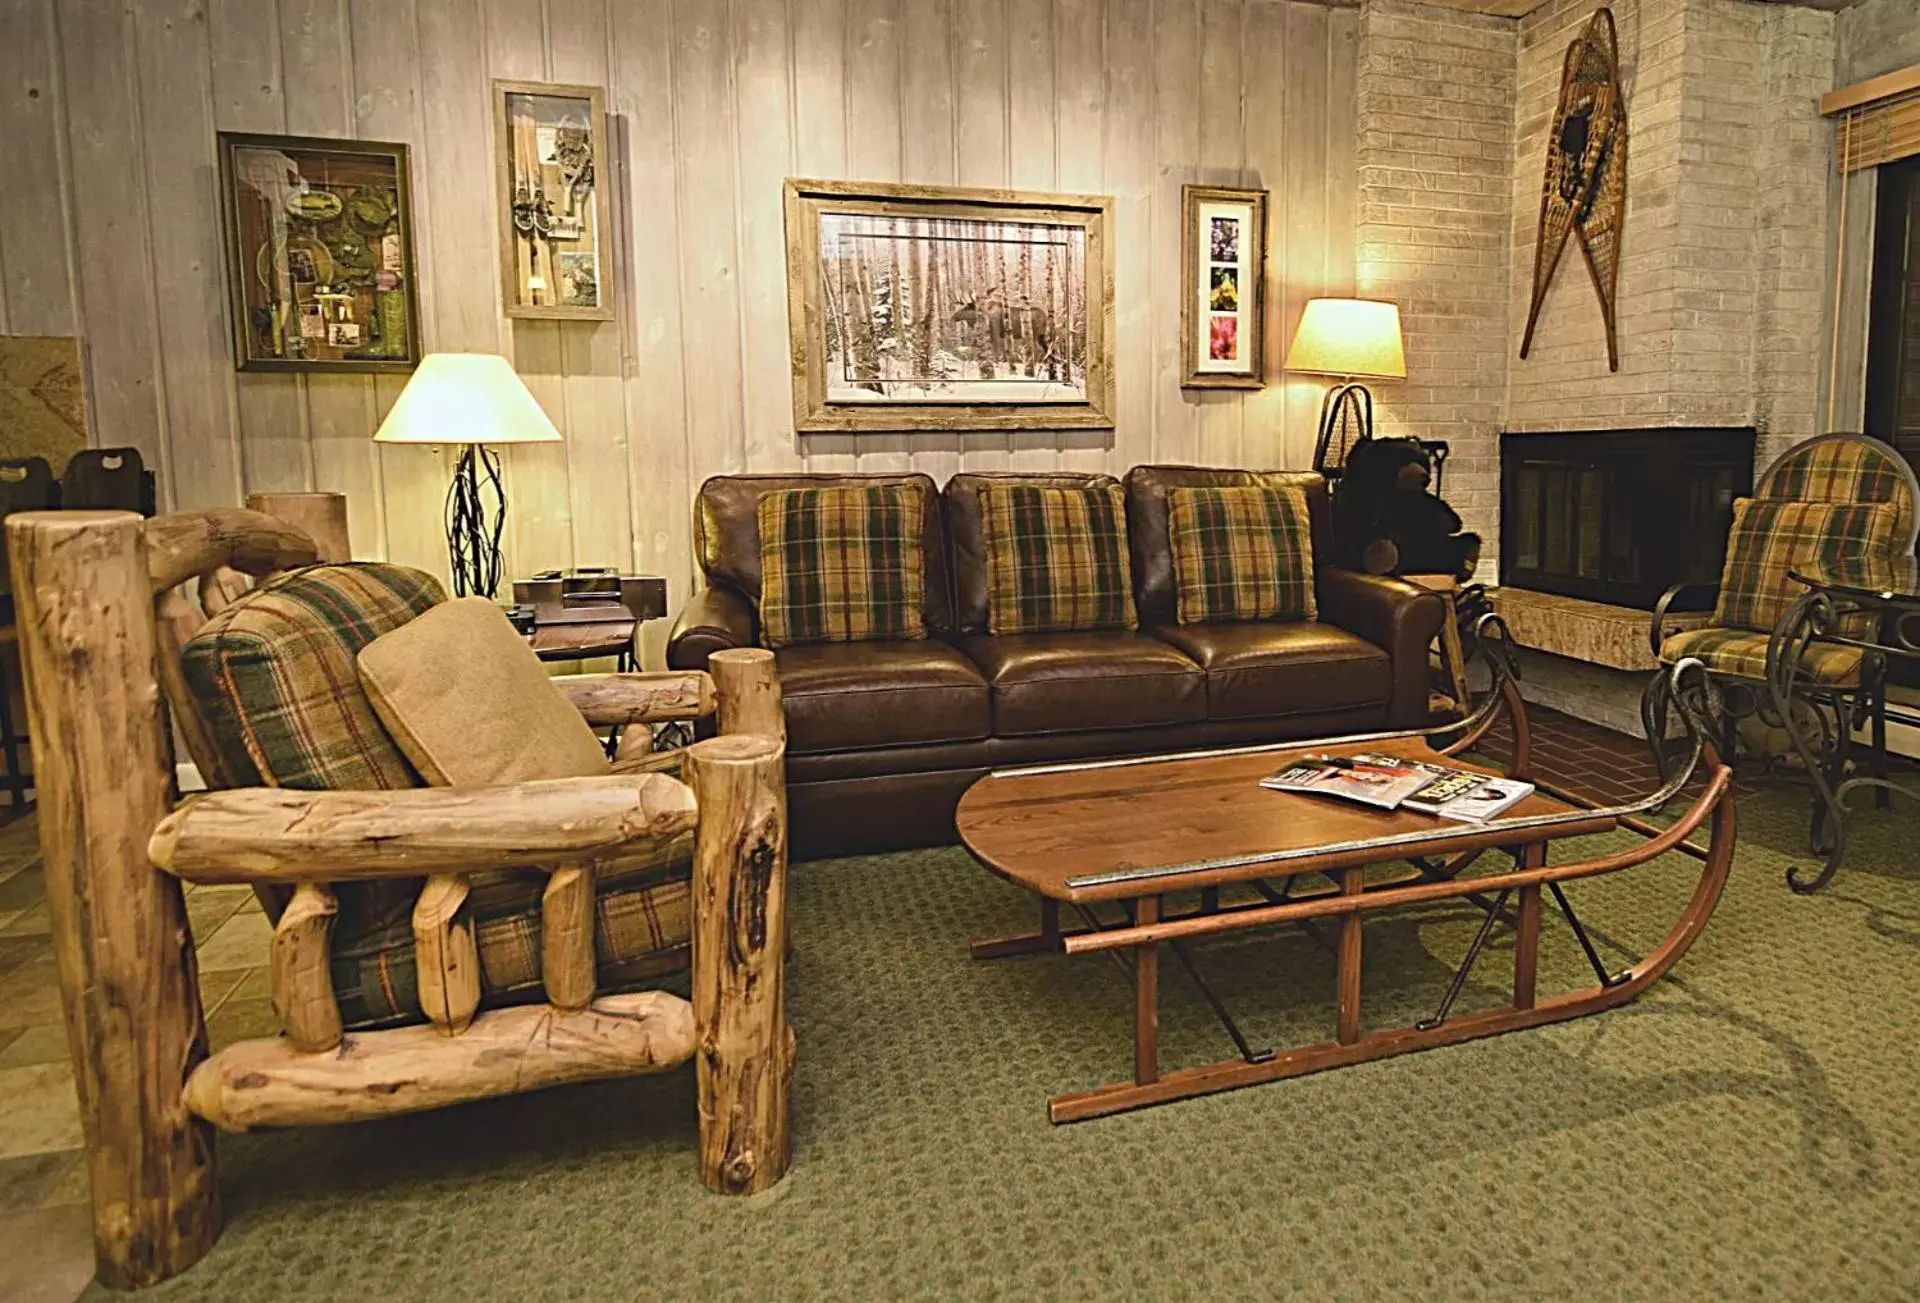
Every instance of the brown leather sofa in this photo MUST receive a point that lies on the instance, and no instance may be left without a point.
(883, 737)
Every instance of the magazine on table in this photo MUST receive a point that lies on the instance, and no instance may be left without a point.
(1393, 783)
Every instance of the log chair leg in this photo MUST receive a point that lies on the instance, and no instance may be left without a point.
(744, 1057)
(1347, 1001)
(749, 692)
(1146, 997)
(125, 956)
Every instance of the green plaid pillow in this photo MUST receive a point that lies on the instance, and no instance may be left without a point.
(1770, 537)
(1056, 558)
(1241, 554)
(274, 679)
(1849, 469)
(842, 564)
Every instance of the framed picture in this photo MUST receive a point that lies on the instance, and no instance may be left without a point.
(319, 253)
(1224, 256)
(934, 308)
(554, 247)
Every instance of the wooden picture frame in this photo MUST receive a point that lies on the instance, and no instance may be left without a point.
(553, 191)
(319, 242)
(1001, 303)
(1223, 294)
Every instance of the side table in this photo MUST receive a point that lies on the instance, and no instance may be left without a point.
(1887, 593)
(585, 642)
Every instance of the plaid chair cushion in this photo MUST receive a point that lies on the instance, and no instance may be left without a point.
(1056, 558)
(842, 564)
(1846, 469)
(273, 677)
(1770, 537)
(643, 927)
(1241, 554)
(1742, 653)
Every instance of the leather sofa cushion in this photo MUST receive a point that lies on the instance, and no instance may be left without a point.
(845, 696)
(967, 532)
(1108, 678)
(726, 532)
(1265, 669)
(1147, 489)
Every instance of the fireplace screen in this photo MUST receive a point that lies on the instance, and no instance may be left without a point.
(1619, 516)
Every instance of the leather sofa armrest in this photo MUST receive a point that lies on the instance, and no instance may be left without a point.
(716, 619)
(1396, 616)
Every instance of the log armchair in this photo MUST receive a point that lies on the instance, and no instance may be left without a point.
(431, 945)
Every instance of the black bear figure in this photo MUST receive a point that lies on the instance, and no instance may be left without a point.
(1385, 521)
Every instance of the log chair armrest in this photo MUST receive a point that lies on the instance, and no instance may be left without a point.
(616, 700)
(189, 543)
(1398, 617)
(716, 619)
(1656, 628)
(257, 834)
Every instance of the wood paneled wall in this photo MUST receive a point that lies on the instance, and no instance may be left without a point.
(108, 224)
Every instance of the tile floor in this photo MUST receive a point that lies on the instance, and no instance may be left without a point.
(46, 1243)
(46, 1250)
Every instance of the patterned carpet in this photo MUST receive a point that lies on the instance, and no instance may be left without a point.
(1748, 1130)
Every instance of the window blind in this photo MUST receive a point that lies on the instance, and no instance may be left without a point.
(1878, 120)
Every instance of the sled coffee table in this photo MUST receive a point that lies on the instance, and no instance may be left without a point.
(1128, 833)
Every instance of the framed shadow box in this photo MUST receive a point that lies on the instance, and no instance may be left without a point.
(555, 252)
(1222, 309)
(319, 253)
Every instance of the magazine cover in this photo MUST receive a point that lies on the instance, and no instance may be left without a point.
(1469, 797)
(1379, 781)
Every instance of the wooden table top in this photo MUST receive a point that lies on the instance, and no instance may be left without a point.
(1040, 830)
(572, 642)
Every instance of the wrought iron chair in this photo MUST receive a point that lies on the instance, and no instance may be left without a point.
(1844, 686)
(431, 944)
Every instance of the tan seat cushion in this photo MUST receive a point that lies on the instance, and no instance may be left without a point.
(470, 704)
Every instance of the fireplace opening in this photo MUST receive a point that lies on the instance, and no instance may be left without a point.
(1619, 516)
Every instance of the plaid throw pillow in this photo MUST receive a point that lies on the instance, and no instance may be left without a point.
(1241, 554)
(1056, 559)
(842, 564)
(1840, 470)
(1770, 537)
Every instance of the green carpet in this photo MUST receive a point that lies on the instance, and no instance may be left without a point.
(1746, 1130)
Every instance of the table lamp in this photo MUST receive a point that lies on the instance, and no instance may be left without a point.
(1348, 338)
(473, 399)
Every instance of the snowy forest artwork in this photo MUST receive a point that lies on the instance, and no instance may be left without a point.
(940, 308)
(934, 309)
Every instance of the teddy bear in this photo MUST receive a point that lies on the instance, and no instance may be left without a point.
(1386, 521)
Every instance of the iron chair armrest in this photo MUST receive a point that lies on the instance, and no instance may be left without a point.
(1656, 630)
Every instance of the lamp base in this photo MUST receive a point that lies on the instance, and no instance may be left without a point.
(1346, 419)
(476, 515)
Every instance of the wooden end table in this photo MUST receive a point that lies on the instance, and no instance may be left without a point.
(1131, 832)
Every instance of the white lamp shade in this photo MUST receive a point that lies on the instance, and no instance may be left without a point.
(1349, 337)
(466, 398)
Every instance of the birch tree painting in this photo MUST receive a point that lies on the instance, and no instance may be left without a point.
(953, 310)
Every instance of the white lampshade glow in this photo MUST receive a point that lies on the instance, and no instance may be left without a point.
(1349, 337)
(466, 398)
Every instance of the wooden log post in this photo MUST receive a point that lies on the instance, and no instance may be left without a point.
(322, 517)
(749, 692)
(301, 972)
(566, 937)
(745, 1056)
(127, 977)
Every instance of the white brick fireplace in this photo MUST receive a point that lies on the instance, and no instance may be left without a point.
(1724, 250)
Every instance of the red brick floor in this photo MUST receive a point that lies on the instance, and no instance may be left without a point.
(1594, 762)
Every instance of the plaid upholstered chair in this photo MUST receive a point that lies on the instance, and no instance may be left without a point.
(1833, 496)
(432, 943)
